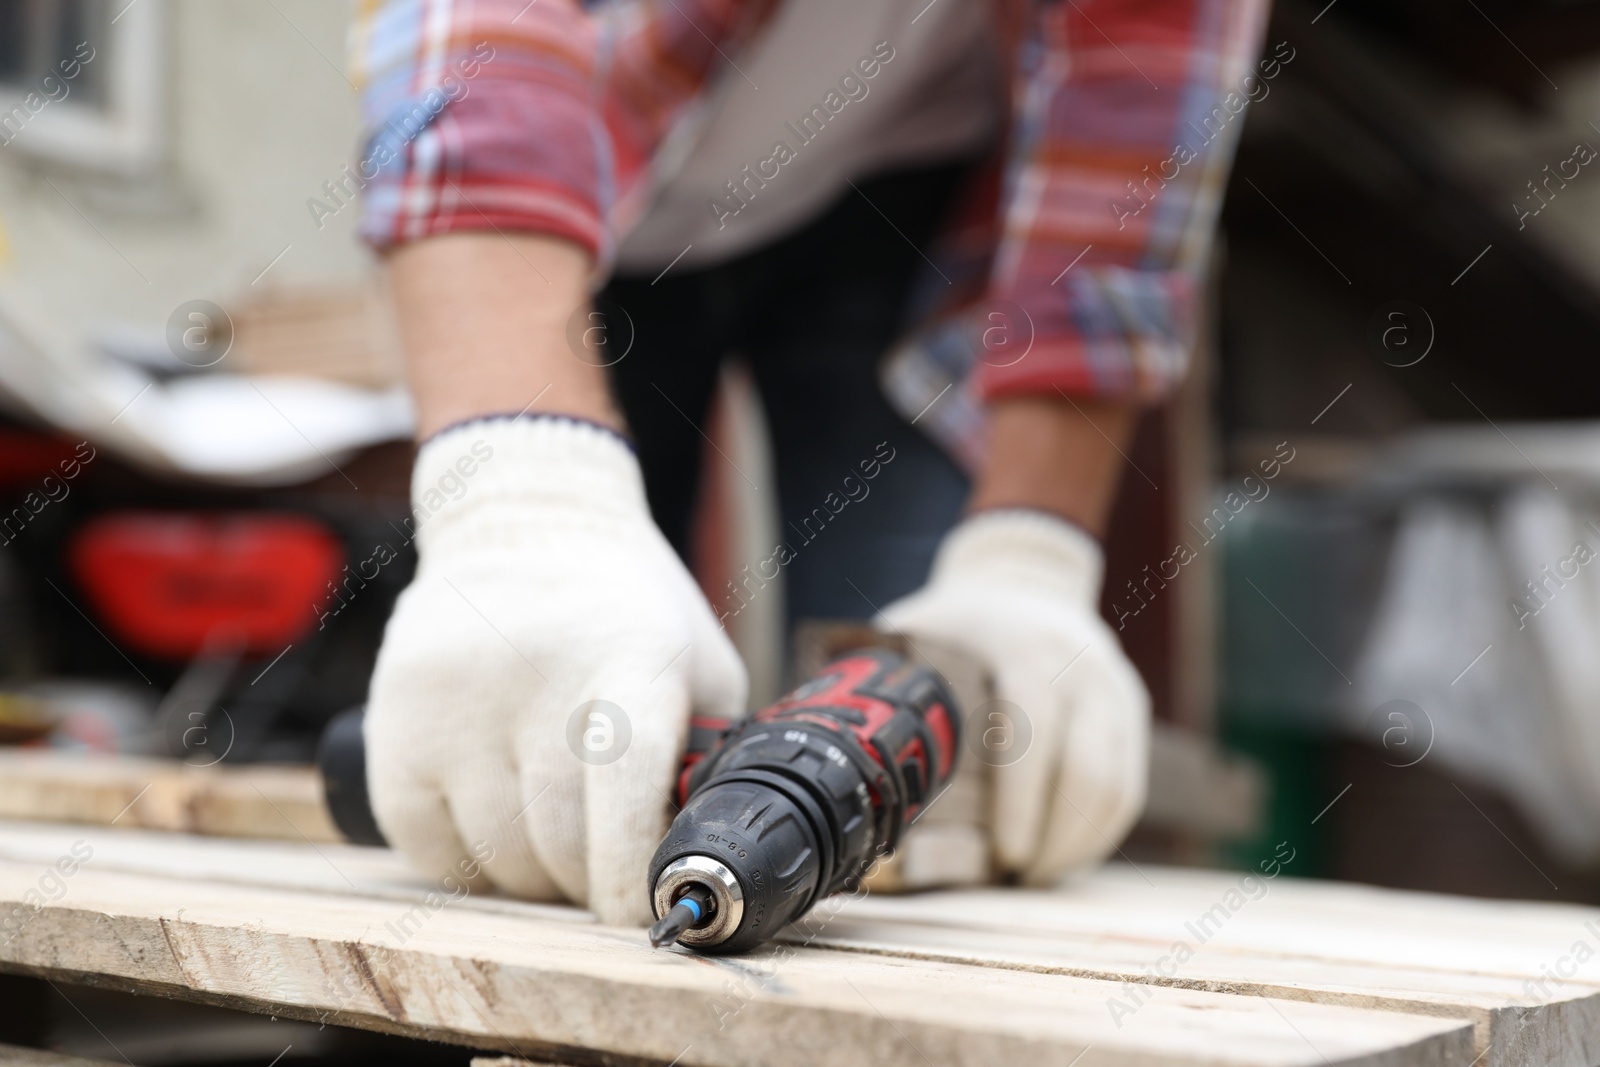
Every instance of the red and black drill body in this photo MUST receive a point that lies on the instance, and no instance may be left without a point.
(798, 801)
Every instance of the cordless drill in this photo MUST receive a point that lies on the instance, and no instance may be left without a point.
(778, 810)
(798, 801)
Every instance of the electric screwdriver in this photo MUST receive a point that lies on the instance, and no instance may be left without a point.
(798, 801)
(778, 810)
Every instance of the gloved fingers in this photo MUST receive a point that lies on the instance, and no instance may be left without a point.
(436, 726)
(402, 738)
(1103, 770)
(1019, 735)
(415, 820)
(551, 749)
(486, 804)
(921, 617)
(629, 803)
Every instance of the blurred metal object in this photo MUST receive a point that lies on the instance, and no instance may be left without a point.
(188, 704)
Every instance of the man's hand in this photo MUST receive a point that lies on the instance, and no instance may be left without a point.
(1017, 591)
(543, 586)
(1016, 587)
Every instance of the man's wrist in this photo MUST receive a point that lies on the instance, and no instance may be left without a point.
(496, 323)
(1024, 548)
(512, 417)
(1024, 510)
(1056, 455)
(497, 482)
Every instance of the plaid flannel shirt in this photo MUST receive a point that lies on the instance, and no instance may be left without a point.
(1073, 268)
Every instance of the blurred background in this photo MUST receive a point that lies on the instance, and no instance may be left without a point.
(1354, 557)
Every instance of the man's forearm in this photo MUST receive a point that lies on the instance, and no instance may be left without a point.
(484, 320)
(1056, 455)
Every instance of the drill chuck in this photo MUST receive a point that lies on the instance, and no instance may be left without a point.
(798, 801)
(706, 897)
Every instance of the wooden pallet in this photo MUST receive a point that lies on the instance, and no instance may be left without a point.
(1194, 788)
(283, 802)
(1276, 971)
(10, 1056)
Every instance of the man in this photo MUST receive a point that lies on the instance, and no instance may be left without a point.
(979, 202)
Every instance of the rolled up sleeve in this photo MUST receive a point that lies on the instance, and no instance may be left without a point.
(1126, 116)
(538, 117)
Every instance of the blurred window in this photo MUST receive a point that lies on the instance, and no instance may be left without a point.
(38, 36)
(107, 114)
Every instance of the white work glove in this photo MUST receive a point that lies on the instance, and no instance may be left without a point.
(542, 584)
(1018, 592)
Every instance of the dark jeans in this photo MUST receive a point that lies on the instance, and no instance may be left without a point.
(813, 314)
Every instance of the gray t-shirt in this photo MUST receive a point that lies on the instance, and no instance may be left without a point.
(832, 91)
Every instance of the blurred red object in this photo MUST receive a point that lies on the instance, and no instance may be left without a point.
(173, 585)
(27, 457)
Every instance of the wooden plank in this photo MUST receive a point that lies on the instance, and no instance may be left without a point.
(259, 800)
(12, 1056)
(1494, 962)
(1563, 1030)
(535, 987)
(1324, 920)
(353, 870)
(1113, 926)
(1194, 787)
(1145, 906)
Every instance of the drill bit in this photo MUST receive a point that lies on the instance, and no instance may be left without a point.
(690, 909)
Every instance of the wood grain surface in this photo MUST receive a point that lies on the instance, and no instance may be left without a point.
(347, 935)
